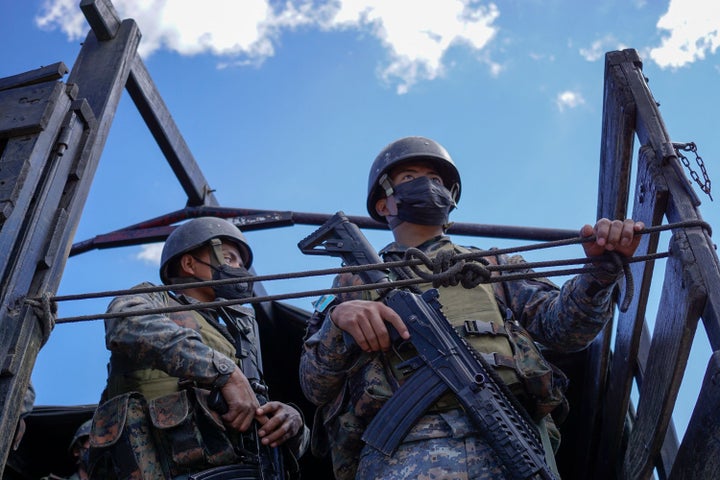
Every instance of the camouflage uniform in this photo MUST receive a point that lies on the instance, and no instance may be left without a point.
(156, 356)
(350, 386)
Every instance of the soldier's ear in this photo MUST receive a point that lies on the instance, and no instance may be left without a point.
(386, 206)
(381, 207)
(186, 265)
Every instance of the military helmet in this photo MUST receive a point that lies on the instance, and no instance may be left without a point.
(196, 233)
(410, 149)
(82, 431)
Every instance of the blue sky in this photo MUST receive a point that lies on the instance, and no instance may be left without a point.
(285, 107)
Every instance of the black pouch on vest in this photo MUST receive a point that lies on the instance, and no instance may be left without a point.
(545, 383)
(121, 446)
(177, 435)
(218, 441)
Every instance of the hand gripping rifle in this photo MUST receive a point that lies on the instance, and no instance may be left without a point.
(445, 361)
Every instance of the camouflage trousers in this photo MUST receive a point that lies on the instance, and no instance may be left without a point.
(435, 458)
(439, 447)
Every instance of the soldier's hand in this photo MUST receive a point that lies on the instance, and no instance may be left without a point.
(280, 422)
(19, 432)
(612, 235)
(241, 401)
(365, 321)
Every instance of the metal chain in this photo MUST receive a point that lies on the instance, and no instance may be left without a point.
(691, 147)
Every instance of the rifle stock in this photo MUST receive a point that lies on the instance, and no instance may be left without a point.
(448, 363)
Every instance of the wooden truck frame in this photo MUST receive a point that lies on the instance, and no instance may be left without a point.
(49, 151)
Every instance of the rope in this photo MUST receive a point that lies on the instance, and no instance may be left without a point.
(46, 311)
(447, 269)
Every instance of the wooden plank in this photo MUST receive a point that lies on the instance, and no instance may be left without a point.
(40, 75)
(650, 127)
(102, 18)
(25, 158)
(151, 106)
(100, 73)
(23, 247)
(682, 209)
(681, 303)
(25, 110)
(613, 191)
(699, 454)
(682, 206)
(651, 199)
(105, 22)
(38, 261)
(616, 148)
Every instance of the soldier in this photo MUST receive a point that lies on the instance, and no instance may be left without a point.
(26, 409)
(79, 448)
(172, 375)
(413, 185)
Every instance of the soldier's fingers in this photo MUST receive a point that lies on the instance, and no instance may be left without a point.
(276, 437)
(628, 232)
(398, 324)
(375, 332)
(239, 419)
(268, 409)
(602, 228)
(270, 425)
(609, 233)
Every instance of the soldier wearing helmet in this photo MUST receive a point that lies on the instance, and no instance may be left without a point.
(79, 448)
(413, 186)
(189, 383)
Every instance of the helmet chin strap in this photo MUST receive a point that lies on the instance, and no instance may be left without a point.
(216, 253)
(454, 193)
(384, 182)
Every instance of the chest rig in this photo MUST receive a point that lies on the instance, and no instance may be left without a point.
(237, 340)
(476, 315)
(481, 316)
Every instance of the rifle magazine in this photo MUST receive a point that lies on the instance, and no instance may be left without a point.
(405, 407)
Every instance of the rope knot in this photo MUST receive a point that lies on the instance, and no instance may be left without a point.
(46, 311)
(446, 270)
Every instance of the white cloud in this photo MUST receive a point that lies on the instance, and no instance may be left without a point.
(150, 253)
(247, 31)
(599, 47)
(693, 28)
(569, 99)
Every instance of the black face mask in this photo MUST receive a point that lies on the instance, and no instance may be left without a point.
(423, 202)
(83, 460)
(231, 291)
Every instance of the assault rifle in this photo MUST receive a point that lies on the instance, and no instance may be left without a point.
(445, 361)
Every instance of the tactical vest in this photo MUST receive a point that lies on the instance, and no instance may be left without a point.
(152, 428)
(152, 383)
(475, 315)
(480, 316)
(487, 325)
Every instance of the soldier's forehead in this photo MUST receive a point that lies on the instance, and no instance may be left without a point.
(414, 165)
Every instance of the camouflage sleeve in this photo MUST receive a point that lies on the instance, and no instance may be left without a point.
(155, 341)
(324, 363)
(299, 444)
(326, 358)
(564, 319)
(28, 400)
